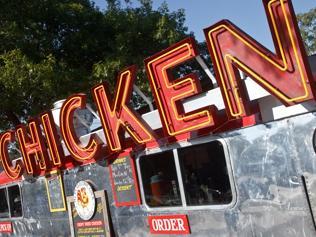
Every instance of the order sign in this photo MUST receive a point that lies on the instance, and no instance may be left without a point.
(84, 200)
(6, 227)
(169, 224)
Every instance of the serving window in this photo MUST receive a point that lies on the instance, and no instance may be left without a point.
(196, 175)
(160, 181)
(10, 202)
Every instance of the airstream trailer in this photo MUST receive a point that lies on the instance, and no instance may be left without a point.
(236, 160)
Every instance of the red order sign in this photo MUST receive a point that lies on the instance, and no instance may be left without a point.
(6, 227)
(169, 224)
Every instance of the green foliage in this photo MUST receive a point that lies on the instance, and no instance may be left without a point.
(50, 49)
(307, 24)
(139, 33)
(20, 79)
(28, 87)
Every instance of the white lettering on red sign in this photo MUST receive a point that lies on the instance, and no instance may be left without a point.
(171, 224)
(6, 227)
(89, 224)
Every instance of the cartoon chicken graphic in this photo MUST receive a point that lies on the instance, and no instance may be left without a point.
(82, 197)
(84, 200)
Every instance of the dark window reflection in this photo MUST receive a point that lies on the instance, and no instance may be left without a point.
(160, 181)
(15, 201)
(204, 174)
(4, 209)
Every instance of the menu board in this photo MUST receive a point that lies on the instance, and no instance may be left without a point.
(55, 192)
(124, 183)
(93, 227)
(98, 225)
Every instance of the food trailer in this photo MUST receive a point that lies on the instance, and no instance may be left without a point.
(236, 160)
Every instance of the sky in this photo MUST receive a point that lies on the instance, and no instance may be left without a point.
(248, 15)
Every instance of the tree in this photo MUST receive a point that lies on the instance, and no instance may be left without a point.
(307, 24)
(28, 87)
(140, 32)
(50, 49)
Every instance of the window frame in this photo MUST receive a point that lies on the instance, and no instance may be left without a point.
(6, 187)
(174, 147)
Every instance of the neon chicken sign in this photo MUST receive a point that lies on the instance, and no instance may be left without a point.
(289, 79)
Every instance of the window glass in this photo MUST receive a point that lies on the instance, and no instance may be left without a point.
(204, 174)
(4, 209)
(15, 201)
(160, 182)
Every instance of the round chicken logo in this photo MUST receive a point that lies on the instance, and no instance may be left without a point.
(84, 200)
